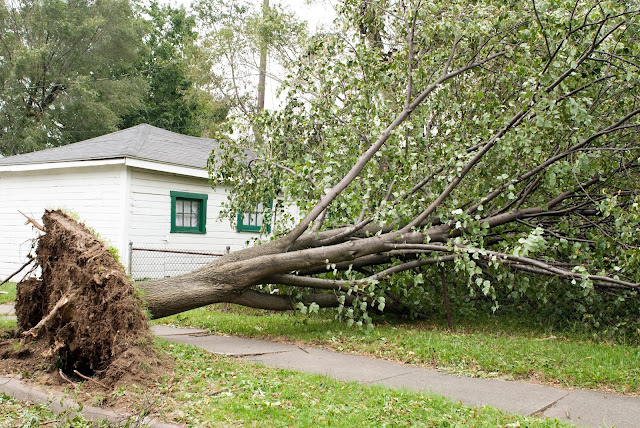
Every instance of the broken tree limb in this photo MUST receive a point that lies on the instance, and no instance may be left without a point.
(31, 259)
(62, 375)
(33, 221)
(90, 379)
(33, 332)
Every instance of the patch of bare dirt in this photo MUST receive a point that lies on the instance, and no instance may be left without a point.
(82, 317)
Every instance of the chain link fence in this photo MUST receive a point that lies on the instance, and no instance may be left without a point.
(154, 263)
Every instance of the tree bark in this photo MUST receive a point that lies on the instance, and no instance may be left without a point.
(262, 70)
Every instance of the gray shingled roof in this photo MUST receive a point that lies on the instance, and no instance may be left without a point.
(143, 142)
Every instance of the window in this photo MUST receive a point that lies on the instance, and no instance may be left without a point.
(253, 221)
(188, 212)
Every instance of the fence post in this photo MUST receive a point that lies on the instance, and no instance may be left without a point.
(130, 258)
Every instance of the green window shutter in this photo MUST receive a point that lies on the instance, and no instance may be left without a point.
(188, 212)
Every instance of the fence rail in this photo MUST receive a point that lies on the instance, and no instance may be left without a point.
(154, 263)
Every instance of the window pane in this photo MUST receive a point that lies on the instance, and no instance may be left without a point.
(258, 219)
(187, 210)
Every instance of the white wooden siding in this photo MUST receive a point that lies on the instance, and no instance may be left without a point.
(94, 194)
(122, 203)
(150, 221)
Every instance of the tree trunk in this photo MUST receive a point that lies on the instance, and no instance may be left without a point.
(262, 70)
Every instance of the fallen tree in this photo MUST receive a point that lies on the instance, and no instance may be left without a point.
(488, 141)
(493, 145)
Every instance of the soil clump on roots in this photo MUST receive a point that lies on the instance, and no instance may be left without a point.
(82, 318)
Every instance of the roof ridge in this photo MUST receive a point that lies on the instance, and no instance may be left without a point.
(144, 131)
(143, 141)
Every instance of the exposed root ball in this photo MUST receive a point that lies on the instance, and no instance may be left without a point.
(83, 309)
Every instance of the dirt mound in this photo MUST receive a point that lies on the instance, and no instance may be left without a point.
(82, 314)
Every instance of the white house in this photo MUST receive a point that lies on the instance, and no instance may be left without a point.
(142, 187)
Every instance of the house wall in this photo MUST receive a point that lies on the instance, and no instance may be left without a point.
(149, 225)
(95, 194)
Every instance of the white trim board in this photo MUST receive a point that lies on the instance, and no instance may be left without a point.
(131, 162)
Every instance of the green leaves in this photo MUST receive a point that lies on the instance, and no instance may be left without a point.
(515, 157)
(65, 71)
(532, 244)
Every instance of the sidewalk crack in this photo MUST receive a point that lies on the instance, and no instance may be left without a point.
(390, 377)
(256, 354)
(543, 409)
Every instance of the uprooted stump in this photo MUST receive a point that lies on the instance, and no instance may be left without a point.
(82, 315)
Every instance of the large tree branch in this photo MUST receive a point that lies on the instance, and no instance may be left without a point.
(496, 256)
(274, 302)
(324, 202)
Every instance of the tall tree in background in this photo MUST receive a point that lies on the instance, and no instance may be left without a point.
(239, 36)
(262, 67)
(65, 70)
(171, 64)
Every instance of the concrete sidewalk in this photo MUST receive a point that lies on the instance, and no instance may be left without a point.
(583, 408)
(7, 309)
(7, 312)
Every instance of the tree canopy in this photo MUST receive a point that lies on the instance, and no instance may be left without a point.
(493, 144)
(65, 70)
(173, 62)
(236, 38)
(71, 70)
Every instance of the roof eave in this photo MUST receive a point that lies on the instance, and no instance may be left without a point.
(18, 167)
(126, 160)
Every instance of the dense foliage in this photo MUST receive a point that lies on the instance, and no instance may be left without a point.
(65, 70)
(71, 70)
(173, 64)
(504, 132)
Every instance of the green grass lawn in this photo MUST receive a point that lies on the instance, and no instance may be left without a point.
(486, 347)
(10, 288)
(210, 391)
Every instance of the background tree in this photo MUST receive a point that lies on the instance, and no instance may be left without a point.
(239, 37)
(65, 70)
(490, 144)
(173, 65)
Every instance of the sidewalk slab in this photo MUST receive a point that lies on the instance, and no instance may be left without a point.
(6, 309)
(516, 397)
(583, 408)
(225, 345)
(592, 408)
(167, 330)
(343, 367)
